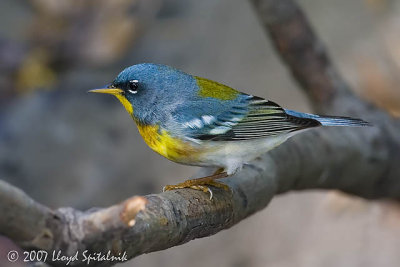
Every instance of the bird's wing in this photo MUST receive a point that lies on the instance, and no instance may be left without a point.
(246, 117)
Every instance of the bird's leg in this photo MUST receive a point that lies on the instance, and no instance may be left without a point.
(202, 183)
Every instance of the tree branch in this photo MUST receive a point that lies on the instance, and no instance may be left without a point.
(306, 57)
(361, 161)
(299, 48)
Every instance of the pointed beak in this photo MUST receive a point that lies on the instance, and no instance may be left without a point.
(106, 90)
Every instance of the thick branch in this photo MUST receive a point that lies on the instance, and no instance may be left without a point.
(361, 161)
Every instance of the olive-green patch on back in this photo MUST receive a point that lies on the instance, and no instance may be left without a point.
(213, 89)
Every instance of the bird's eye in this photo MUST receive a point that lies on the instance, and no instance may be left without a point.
(133, 86)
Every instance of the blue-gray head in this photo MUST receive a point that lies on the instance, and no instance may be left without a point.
(145, 89)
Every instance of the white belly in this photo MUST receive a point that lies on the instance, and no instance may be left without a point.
(231, 155)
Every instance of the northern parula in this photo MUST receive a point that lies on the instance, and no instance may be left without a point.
(195, 121)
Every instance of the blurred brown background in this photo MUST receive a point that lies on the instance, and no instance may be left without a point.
(65, 147)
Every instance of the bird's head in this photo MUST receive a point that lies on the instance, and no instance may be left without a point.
(147, 90)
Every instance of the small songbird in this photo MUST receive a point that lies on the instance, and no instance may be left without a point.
(195, 121)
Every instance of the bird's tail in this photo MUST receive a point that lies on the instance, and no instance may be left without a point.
(329, 120)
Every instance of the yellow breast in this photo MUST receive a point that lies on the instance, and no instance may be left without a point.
(164, 144)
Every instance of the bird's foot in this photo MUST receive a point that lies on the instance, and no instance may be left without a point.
(201, 184)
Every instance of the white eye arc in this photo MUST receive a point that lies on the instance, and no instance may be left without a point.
(133, 86)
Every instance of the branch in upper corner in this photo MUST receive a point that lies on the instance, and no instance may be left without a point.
(306, 57)
(300, 49)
